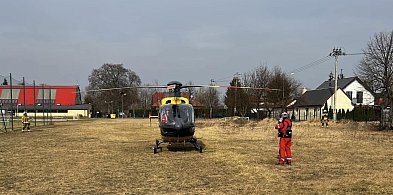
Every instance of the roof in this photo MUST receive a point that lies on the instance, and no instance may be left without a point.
(40, 86)
(341, 83)
(316, 97)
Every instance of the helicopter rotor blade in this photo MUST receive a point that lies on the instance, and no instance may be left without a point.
(181, 87)
(242, 87)
(189, 86)
(120, 88)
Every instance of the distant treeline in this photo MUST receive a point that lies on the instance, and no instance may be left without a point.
(359, 113)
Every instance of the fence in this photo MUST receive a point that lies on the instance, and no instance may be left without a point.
(13, 104)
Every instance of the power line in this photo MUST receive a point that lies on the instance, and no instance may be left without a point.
(312, 64)
(351, 54)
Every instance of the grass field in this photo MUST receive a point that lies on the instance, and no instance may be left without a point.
(115, 157)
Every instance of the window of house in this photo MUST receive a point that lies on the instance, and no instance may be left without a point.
(349, 94)
(359, 97)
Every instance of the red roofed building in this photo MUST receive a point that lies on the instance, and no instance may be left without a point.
(64, 100)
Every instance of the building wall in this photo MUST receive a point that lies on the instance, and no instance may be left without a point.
(343, 102)
(368, 98)
(84, 113)
(308, 113)
(68, 114)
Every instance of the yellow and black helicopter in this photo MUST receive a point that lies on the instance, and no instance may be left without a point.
(176, 118)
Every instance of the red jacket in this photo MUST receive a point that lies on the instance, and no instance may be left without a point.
(285, 128)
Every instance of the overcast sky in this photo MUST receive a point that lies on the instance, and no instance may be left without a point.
(61, 42)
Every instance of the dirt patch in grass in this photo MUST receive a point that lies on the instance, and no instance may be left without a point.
(115, 157)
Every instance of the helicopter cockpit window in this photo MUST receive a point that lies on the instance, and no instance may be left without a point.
(166, 115)
(186, 113)
(182, 112)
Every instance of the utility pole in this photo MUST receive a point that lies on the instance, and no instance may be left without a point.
(122, 104)
(336, 52)
(24, 95)
(12, 105)
(211, 99)
(283, 93)
(236, 83)
(35, 105)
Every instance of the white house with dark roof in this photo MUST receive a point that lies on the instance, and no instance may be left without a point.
(351, 92)
(355, 89)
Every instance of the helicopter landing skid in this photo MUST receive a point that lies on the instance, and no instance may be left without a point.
(193, 141)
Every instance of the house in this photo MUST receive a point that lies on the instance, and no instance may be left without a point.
(351, 92)
(355, 89)
(59, 101)
(311, 104)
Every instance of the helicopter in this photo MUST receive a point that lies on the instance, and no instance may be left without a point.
(176, 118)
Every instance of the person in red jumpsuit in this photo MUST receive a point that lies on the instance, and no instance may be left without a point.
(284, 127)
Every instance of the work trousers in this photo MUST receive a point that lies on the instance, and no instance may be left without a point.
(26, 125)
(285, 150)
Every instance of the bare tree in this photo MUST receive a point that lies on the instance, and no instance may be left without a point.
(286, 89)
(258, 78)
(110, 76)
(209, 98)
(190, 91)
(376, 68)
(145, 97)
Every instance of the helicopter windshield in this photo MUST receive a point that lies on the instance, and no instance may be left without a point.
(184, 112)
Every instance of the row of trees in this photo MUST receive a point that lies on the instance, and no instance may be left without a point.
(270, 89)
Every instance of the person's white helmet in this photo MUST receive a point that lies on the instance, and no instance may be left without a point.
(284, 115)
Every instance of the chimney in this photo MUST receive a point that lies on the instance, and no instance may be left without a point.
(341, 76)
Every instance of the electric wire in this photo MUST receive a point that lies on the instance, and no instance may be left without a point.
(312, 64)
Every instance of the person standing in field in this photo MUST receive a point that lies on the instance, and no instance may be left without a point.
(284, 127)
(26, 122)
(325, 119)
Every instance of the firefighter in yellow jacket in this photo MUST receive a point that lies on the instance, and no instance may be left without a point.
(26, 122)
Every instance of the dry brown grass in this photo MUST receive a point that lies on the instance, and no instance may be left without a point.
(115, 157)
